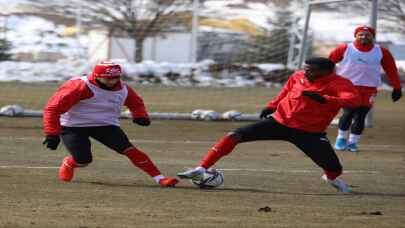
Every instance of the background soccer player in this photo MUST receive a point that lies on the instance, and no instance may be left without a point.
(300, 114)
(360, 62)
(90, 107)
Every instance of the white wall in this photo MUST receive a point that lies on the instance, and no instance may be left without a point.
(172, 48)
(398, 51)
(122, 48)
(98, 46)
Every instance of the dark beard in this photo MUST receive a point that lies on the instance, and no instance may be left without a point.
(103, 86)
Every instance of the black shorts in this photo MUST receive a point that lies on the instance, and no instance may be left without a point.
(77, 142)
(314, 145)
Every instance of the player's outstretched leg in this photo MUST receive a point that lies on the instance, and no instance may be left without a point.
(142, 161)
(223, 147)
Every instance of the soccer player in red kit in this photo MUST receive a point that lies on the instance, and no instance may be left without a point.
(300, 114)
(360, 62)
(90, 106)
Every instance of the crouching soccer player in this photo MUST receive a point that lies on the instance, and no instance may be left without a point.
(300, 114)
(90, 106)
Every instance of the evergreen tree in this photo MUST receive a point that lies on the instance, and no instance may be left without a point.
(271, 47)
(5, 47)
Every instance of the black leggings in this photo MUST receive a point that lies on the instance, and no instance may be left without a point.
(77, 142)
(357, 115)
(314, 145)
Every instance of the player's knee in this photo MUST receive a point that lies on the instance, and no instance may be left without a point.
(83, 162)
(83, 165)
(346, 118)
(129, 151)
(359, 118)
(235, 135)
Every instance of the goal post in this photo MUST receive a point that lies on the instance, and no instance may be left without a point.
(210, 44)
(251, 48)
(309, 4)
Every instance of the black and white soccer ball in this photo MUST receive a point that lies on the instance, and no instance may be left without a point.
(211, 178)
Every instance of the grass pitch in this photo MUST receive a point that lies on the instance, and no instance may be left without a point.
(112, 193)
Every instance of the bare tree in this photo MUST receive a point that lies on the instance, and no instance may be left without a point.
(391, 13)
(138, 19)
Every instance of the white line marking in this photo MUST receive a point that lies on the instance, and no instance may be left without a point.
(231, 170)
(27, 167)
(132, 140)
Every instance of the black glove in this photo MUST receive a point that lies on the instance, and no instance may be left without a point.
(396, 94)
(265, 113)
(141, 121)
(51, 141)
(314, 96)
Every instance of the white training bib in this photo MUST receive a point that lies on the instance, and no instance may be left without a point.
(104, 108)
(361, 68)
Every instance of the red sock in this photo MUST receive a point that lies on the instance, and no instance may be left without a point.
(332, 175)
(142, 161)
(223, 147)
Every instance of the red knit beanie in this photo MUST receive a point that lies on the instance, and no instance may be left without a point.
(107, 69)
(362, 28)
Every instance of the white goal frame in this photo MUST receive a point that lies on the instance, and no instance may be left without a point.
(303, 49)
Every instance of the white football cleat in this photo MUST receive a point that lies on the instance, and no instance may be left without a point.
(193, 174)
(337, 184)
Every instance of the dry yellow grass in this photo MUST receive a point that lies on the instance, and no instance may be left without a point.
(111, 193)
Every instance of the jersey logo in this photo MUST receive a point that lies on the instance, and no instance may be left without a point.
(114, 101)
(362, 60)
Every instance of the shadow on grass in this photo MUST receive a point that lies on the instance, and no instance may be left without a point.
(400, 195)
(242, 189)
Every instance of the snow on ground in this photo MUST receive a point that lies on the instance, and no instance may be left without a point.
(31, 34)
(147, 72)
(257, 13)
(401, 64)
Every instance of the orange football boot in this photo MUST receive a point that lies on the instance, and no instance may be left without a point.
(66, 171)
(168, 182)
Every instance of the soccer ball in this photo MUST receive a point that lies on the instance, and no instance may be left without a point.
(231, 115)
(196, 114)
(211, 178)
(202, 114)
(210, 115)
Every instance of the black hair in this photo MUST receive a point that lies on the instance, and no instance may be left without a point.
(323, 63)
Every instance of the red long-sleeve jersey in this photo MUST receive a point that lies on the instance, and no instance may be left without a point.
(387, 61)
(294, 110)
(71, 92)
